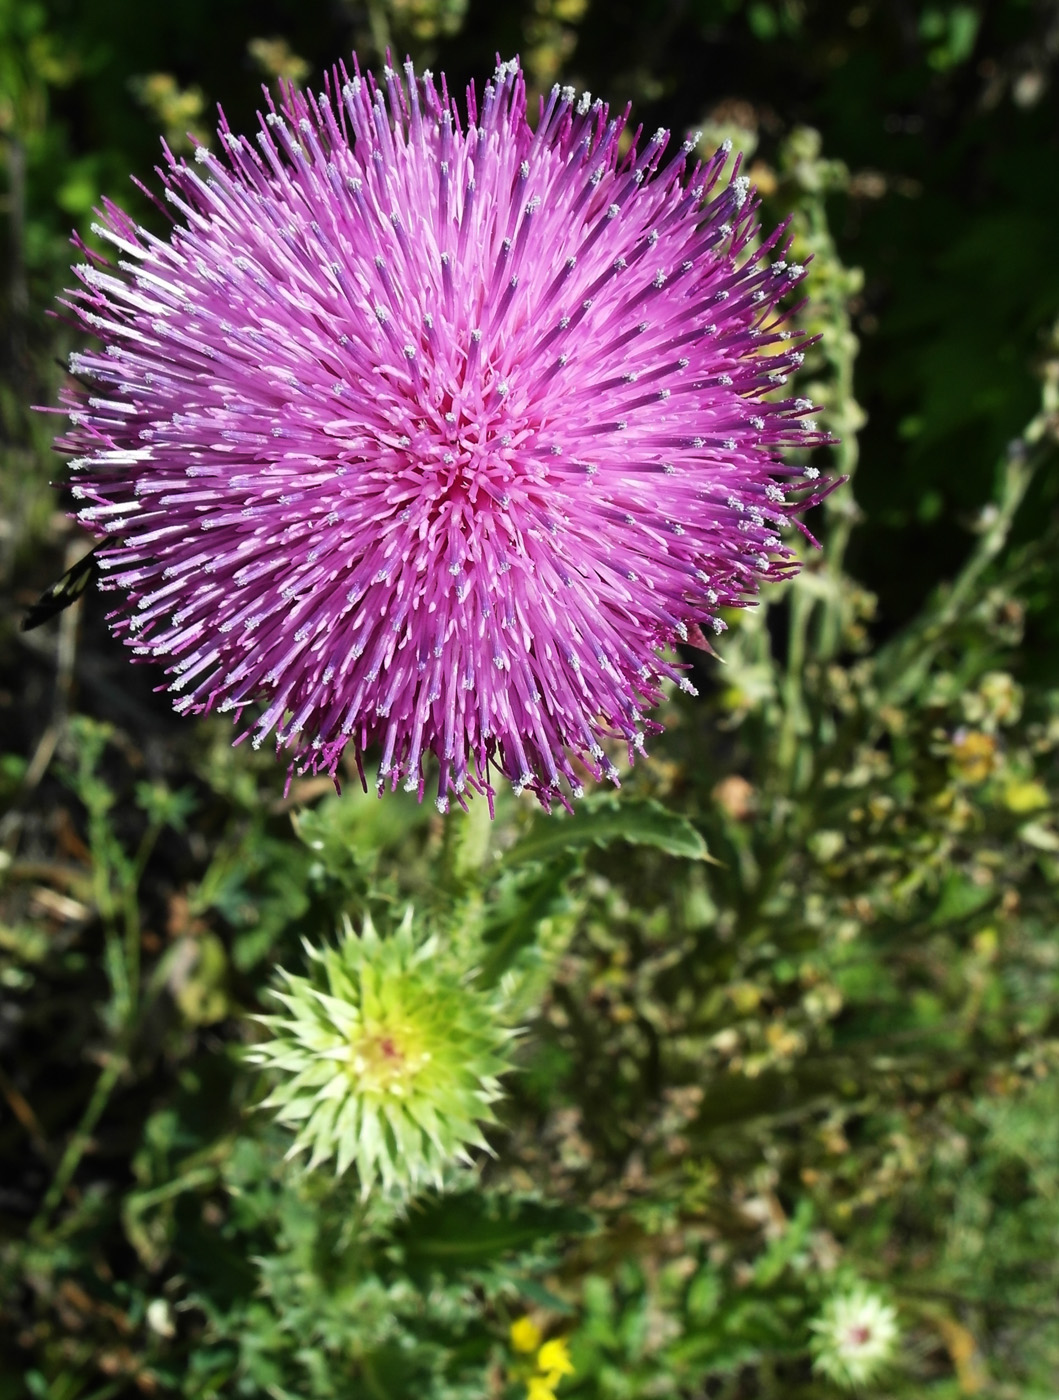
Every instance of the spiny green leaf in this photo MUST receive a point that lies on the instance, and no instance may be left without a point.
(606, 817)
(466, 1230)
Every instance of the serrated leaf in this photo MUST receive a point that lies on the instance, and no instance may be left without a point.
(456, 1232)
(604, 818)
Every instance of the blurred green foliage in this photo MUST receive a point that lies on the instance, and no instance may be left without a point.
(792, 997)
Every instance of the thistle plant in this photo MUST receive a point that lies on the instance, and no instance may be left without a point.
(433, 436)
(387, 1059)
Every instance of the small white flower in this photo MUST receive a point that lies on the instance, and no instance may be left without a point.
(856, 1337)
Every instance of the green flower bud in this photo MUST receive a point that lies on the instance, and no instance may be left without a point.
(388, 1059)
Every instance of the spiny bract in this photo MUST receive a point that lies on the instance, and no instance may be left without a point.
(386, 1059)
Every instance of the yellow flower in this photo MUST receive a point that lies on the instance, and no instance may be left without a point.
(525, 1335)
(541, 1388)
(974, 755)
(554, 1359)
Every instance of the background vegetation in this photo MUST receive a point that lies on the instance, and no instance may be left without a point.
(828, 1052)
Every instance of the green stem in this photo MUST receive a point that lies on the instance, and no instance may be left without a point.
(844, 418)
(112, 1071)
(131, 913)
(464, 852)
(123, 965)
(909, 659)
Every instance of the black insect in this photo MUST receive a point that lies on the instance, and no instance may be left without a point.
(63, 591)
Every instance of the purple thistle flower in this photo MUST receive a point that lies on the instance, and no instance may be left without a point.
(432, 437)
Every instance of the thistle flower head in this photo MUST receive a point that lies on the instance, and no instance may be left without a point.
(387, 1060)
(855, 1337)
(430, 432)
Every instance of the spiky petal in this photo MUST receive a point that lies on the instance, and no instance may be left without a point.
(433, 436)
